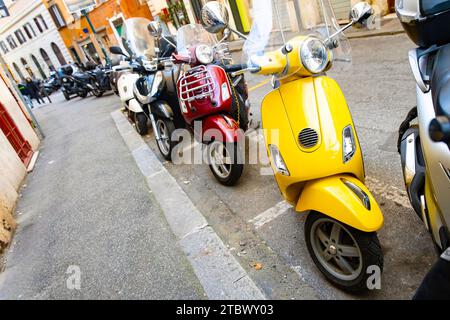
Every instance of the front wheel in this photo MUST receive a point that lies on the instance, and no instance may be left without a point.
(141, 120)
(165, 129)
(98, 93)
(224, 162)
(66, 95)
(346, 256)
(83, 94)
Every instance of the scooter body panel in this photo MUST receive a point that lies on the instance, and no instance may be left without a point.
(221, 127)
(309, 103)
(125, 85)
(333, 198)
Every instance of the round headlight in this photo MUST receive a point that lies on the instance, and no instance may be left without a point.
(314, 55)
(204, 54)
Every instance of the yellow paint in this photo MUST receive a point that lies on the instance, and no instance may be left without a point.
(314, 183)
(259, 85)
(243, 14)
(333, 198)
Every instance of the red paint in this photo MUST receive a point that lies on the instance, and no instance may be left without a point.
(221, 127)
(14, 136)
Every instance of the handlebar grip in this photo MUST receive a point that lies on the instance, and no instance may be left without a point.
(235, 67)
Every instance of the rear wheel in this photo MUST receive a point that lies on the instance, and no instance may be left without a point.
(66, 95)
(343, 254)
(83, 94)
(141, 121)
(98, 93)
(224, 162)
(165, 128)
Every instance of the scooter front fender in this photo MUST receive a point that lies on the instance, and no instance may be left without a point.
(343, 198)
(221, 127)
(134, 106)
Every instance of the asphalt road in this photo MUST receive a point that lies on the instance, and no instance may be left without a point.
(86, 208)
(380, 91)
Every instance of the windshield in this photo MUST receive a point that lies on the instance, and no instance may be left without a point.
(136, 38)
(192, 35)
(276, 21)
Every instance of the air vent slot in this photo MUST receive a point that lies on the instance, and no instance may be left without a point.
(308, 138)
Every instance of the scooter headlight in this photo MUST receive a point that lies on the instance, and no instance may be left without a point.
(278, 160)
(314, 55)
(348, 144)
(204, 54)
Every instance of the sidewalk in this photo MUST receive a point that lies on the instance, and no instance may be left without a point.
(87, 208)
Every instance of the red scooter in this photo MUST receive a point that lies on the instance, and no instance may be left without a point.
(207, 97)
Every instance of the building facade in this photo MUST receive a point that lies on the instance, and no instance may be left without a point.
(107, 18)
(29, 40)
(18, 144)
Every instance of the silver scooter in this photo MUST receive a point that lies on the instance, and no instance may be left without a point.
(425, 147)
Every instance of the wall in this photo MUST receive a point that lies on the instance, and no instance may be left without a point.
(24, 11)
(12, 170)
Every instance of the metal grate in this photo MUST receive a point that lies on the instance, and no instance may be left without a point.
(308, 138)
(196, 84)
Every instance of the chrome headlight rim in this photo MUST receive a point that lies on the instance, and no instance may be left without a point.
(348, 136)
(305, 51)
(204, 54)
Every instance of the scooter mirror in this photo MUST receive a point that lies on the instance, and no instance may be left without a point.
(117, 50)
(155, 29)
(214, 17)
(360, 14)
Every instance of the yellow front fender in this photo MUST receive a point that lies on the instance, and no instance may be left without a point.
(334, 198)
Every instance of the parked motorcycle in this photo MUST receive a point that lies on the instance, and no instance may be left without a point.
(424, 147)
(75, 83)
(206, 96)
(311, 139)
(100, 79)
(52, 84)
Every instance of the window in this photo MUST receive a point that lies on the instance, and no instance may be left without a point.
(38, 66)
(4, 47)
(16, 67)
(29, 30)
(12, 43)
(27, 67)
(40, 23)
(57, 16)
(47, 60)
(58, 54)
(20, 36)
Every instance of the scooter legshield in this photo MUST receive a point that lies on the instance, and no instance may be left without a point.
(345, 199)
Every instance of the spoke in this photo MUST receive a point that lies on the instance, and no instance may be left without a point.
(344, 265)
(326, 255)
(348, 251)
(224, 169)
(323, 237)
(335, 233)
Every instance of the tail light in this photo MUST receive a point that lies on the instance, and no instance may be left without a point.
(196, 84)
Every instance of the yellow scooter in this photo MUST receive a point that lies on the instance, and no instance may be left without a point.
(315, 152)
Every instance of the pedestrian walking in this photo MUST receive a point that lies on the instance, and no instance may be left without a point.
(33, 90)
(26, 94)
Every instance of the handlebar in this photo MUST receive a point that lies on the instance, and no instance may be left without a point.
(235, 68)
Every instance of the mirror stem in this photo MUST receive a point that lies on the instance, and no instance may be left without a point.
(330, 38)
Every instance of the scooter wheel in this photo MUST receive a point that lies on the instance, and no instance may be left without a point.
(83, 94)
(165, 128)
(350, 259)
(224, 162)
(98, 93)
(66, 95)
(141, 122)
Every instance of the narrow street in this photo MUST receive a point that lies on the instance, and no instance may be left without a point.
(88, 205)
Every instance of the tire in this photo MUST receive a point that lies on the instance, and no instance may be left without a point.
(98, 93)
(83, 94)
(141, 121)
(66, 95)
(365, 245)
(165, 128)
(226, 174)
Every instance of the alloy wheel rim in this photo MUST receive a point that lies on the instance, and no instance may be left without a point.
(336, 249)
(164, 141)
(220, 159)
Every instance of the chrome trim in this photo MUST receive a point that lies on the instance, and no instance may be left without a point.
(409, 171)
(415, 67)
(190, 91)
(423, 210)
(365, 200)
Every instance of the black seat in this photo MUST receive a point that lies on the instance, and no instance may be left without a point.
(440, 82)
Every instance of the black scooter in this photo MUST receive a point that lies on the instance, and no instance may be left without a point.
(75, 83)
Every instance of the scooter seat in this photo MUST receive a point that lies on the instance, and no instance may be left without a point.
(440, 82)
